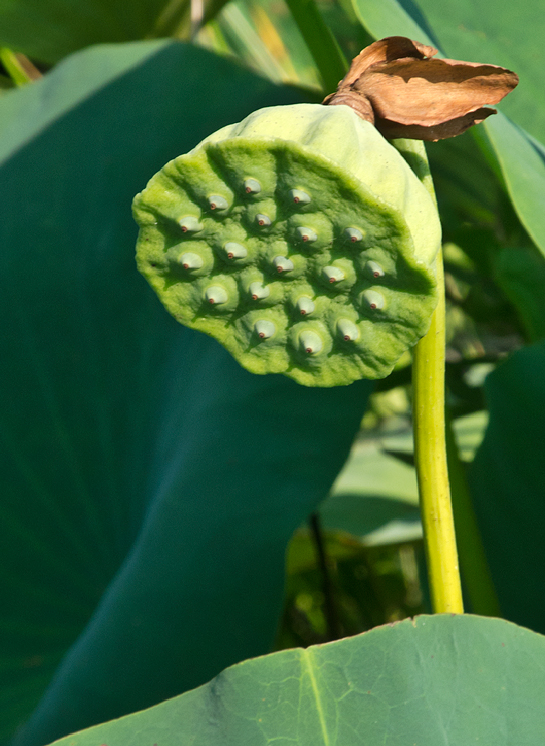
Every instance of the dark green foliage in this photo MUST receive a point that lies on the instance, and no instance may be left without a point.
(138, 460)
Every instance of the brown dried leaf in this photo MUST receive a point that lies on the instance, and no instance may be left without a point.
(385, 50)
(395, 85)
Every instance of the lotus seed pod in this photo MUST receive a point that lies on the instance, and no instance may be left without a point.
(318, 244)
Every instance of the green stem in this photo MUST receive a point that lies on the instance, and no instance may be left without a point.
(475, 570)
(334, 631)
(431, 462)
(18, 67)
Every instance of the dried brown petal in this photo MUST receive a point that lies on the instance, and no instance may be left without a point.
(385, 50)
(429, 92)
(411, 95)
(454, 127)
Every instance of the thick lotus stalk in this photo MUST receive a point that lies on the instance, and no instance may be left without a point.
(300, 239)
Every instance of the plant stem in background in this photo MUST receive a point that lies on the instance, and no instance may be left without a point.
(19, 67)
(431, 462)
(334, 631)
(476, 572)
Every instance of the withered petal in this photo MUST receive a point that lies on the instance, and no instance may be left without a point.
(395, 84)
(430, 92)
(452, 128)
(385, 50)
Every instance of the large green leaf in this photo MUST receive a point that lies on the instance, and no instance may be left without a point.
(507, 479)
(48, 31)
(139, 462)
(483, 31)
(445, 679)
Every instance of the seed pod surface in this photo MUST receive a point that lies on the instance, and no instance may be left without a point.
(306, 186)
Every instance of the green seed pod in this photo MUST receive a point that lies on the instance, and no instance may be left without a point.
(320, 237)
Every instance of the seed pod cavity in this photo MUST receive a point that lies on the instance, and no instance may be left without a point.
(305, 305)
(307, 235)
(354, 235)
(299, 197)
(258, 291)
(372, 300)
(310, 342)
(235, 250)
(216, 295)
(347, 330)
(333, 275)
(264, 328)
(190, 224)
(252, 186)
(263, 221)
(217, 202)
(283, 264)
(190, 261)
(374, 269)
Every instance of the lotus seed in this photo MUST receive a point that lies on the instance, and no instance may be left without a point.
(310, 342)
(374, 269)
(217, 202)
(282, 264)
(299, 197)
(333, 274)
(265, 329)
(306, 234)
(258, 292)
(235, 250)
(252, 186)
(262, 220)
(348, 330)
(353, 234)
(189, 224)
(374, 300)
(189, 260)
(216, 295)
(305, 305)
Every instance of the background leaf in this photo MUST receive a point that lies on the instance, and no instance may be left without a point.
(441, 679)
(49, 31)
(507, 481)
(141, 466)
